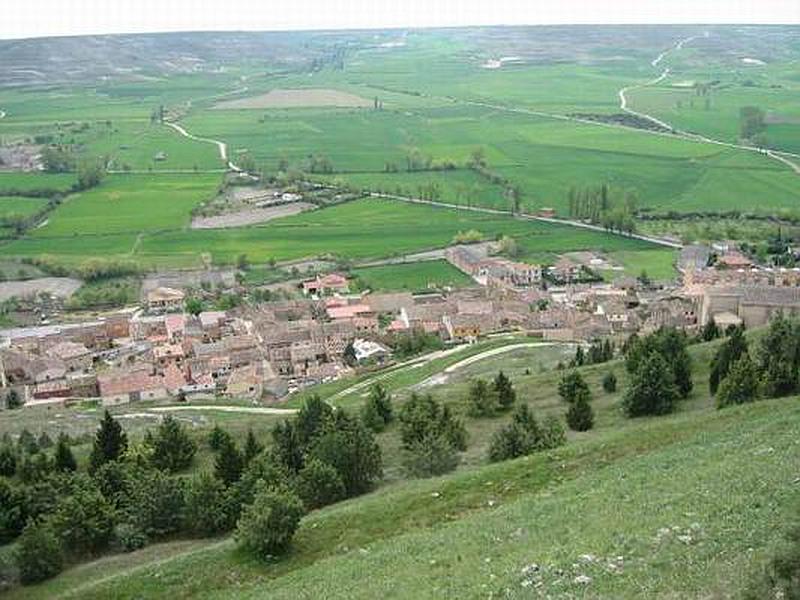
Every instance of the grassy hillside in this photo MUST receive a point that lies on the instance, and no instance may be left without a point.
(680, 506)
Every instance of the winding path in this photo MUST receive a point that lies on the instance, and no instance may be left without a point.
(221, 146)
(624, 106)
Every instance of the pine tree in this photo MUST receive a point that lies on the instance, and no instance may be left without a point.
(652, 390)
(377, 412)
(580, 416)
(64, 459)
(229, 463)
(572, 386)
(728, 353)
(216, 437)
(610, 382)
(252, 447)
(777, 359)
(173, 449)
(482, 402)
(109, 444)
(504, 389)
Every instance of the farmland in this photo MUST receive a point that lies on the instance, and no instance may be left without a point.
(412, 276)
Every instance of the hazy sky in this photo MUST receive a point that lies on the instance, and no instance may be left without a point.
(30, 18)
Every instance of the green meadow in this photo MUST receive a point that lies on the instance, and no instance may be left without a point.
(20, 206)
(411, 276)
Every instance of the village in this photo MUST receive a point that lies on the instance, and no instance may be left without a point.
(265, 351)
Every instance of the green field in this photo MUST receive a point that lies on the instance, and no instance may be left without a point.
(20, 206)
(412, 277)
(123, 217)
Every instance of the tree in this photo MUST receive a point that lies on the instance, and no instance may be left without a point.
(524, 435)
(572, 386)
(734, 347)
(349, 447)
(173, 449)
(194, 306)
(267, 526)
(89, 175)
(206, 510)
(671, 345)
(13, 400)
(155, 505)
(39, 554)
(580, 416)
(432, 455)
(777, 359)
(229, 462)
(481, 401)
(311, 418)
(504, 390)
(217, 437)
(13, 513)
(8, 460)
(740, 385)
(64, 459)
(319, 484)
(422, 416)
(83, 518)
(242, 263)
(109, 444)
(652, 389)
(252, 447)
(710, 331)
(377, 412)
(610, 382)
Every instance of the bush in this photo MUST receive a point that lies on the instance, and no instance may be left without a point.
(422, 416)
(130, 537)
(741, 384)
(482, 401)
(319, 484)
(580, 416)
(8, 461)
(206, 511)
(39, 554)
(610, 382)
(524, 436)
(156, 503)
(377, 412)
(571, 386)
(12, 511)
(504, 390)
(83, 518)
(229, 462)
(430, 456)
(267, 526)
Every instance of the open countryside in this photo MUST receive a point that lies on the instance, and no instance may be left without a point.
(457, 312)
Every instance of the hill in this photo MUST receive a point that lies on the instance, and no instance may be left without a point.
(690, 504)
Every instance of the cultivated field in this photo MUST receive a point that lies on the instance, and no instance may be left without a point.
(412, 277)
(306, 98)
(251, 216)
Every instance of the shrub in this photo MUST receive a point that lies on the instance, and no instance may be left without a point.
(727, 354)
(130, 537)
(481, 400)
(319, 484)
(670, 345)
(422, 416)
(377, 412)
(524, 436)
(267, 526)
(63, 459)
(430, 456)
(580, 416)
(610, 382)
(741, 384)
(571, 386)
(229, 462)
(39, 554)
(206, 510)
(504, 390)
(12, 511)
(83, 518)
(156, 503)
(8, 460)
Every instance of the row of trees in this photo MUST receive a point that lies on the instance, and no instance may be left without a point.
(612, 208)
